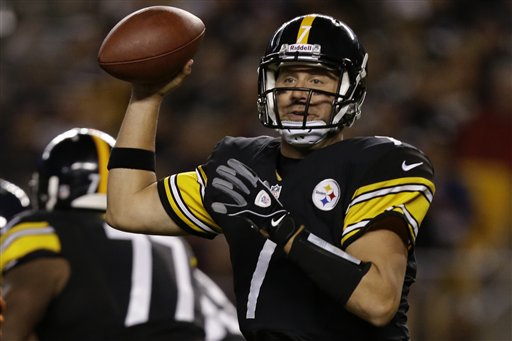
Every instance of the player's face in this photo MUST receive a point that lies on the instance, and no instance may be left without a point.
(291, 103)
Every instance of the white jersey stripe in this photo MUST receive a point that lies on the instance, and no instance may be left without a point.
(355, 226)
(397, 189)
(410, 220)
(258, 277)
(184, 209)
(25, 232)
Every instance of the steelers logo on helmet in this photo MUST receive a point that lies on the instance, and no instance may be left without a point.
(72, 171)
(317, 41)
(326, 194)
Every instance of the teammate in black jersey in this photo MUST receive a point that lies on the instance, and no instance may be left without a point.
(13, 200)
(321, 230)
(69, 276)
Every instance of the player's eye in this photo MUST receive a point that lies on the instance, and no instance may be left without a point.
(288, 80)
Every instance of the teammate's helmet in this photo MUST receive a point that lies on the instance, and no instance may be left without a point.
(322, 41)
(13, 200)
(72, 171)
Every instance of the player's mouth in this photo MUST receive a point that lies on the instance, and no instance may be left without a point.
(299, 116)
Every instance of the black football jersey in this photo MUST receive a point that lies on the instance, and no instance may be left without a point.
(336, 192)
(122, 286)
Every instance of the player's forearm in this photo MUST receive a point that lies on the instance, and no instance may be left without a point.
(333, 270)
(124, 193)
(133, 201)
(125, 186)
(370, 290)
(376, 298)
(139, 126)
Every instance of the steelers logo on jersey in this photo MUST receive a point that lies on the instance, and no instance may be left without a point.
(326, 194)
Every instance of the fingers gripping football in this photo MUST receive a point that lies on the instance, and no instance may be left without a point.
(251, 199)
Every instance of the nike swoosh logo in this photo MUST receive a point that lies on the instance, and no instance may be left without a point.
(407, 167)
(275, 223)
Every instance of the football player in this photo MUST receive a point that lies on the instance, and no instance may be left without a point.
(321, 229)
(67, 275)
(13, 200)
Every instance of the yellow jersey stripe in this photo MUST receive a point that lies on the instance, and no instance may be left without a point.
(190, 191)
(201, 179)
(396, 185)
(28, 240)
(411, 197)
(352, 232)
(374, 206)
(201, 176)
(305, 27)
(174, 206)
(278, 177)
(412, 224)
(22, 226)
(183, 195)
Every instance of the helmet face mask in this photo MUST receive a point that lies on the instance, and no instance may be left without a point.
(321, 42)
(72, 171)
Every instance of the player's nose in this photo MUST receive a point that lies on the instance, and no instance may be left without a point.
(298, 95)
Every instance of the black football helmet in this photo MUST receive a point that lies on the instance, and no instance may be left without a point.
(13, 200)
(72, 171)
(319, 41)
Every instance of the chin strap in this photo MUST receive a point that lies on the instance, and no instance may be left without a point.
(305, 137)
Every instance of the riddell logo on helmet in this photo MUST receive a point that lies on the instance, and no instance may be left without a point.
(308, 48)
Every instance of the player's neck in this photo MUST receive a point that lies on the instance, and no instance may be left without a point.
(293, 152)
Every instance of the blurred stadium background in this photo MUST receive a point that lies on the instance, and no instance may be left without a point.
(440, 77)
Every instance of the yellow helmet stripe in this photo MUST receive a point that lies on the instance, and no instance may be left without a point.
(103, 152)
(305, 27)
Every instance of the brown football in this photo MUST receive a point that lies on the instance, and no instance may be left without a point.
(151, 45)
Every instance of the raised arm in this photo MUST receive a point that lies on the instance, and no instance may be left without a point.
(133, 203)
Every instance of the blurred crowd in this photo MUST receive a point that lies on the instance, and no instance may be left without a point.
(440, 77)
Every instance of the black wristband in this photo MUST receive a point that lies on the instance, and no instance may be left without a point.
(333, 270)
(132, 158)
